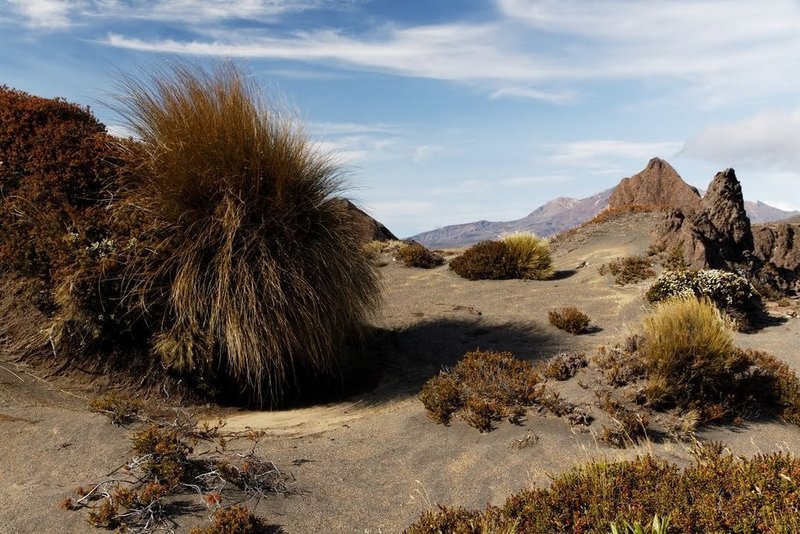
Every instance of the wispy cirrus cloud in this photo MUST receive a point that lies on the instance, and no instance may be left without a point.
(543, 50)
(455, 52)
(60, 14)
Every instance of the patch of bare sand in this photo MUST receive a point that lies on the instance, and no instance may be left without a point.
(373, 462)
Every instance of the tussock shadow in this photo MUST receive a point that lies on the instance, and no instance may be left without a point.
(763, 319)
(396, 363)
(563, 275)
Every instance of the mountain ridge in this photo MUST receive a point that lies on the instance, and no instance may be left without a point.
(559, 214)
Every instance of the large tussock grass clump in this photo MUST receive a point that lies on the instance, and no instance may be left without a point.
(687, 352)
(730, 292)
(520, 255)
(717, 493)
(253, 267)
(531, 255)
(688, 349)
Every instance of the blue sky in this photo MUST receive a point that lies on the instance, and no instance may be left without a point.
(448, 111)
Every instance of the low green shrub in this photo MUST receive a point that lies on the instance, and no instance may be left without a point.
(730, 292)
(659, 525)
(569, 319)
(630, 270)
(717, 493)
(417, 255)
(484, 387)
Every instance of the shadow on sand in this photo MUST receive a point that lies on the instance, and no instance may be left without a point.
(394, 364)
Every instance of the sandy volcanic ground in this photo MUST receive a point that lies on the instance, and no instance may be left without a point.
(372, 462)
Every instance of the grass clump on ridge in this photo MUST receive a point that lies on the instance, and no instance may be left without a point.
(520, 255)
(484, 387)
(254, 270)
(714, 494)
(417, 255)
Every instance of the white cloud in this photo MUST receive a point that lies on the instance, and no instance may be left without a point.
(767, 139)
(337, 128)
(59, 14)
(423, 152)
(454, 52)
(554, 97)
(711, 51)
(598, 153)
(352, 149)
(523, 181)
(45, 14)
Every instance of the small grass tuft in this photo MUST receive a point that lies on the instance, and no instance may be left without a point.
(119, 409)
(234, 520)
(569, 319)
(417, 255)
(630, 270)
(484, 387)
(687, 347)
(564, 366)
(516, 256)
(487, 260)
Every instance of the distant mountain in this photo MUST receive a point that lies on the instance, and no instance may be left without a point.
(657, 185)
(762, 213)
(557, 215)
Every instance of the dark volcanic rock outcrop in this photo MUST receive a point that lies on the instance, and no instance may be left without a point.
(716, 231)
(717, 234)
(657, 186)
(373, 230)
(779, 244)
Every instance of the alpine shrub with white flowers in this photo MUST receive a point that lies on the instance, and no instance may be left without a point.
(729, 291)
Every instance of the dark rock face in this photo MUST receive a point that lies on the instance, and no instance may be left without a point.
(718, 235)
(657, 186)
(724, 208)
(778, 244)
(715, 232)
(373, 230)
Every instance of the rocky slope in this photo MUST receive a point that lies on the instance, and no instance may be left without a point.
(658, 186)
